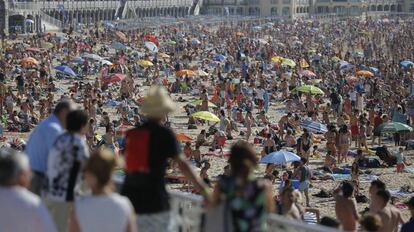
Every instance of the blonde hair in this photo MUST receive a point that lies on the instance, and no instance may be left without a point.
(101, 164)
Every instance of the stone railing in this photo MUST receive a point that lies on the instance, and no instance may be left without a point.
(187, 212)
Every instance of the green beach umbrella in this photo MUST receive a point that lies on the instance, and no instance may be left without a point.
(309, 89)
(288, 62)
(392, 127)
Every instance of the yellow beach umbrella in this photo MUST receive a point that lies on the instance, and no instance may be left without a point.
(46, 45)
(145, 63)
(277, 59)
(205, 115)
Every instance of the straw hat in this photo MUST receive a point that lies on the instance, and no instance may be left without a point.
(157, 103)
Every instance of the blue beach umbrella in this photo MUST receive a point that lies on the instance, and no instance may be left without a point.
(279, 157)
(406, 63)
(219, 57)
(314, 126)
(118, 46)
(65, 69)
(78, 60)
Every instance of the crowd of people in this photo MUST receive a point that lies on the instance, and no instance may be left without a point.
(193, 97)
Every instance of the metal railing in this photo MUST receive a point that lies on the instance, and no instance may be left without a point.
(187, 212)
(51, 20)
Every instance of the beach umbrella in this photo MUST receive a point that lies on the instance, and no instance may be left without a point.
(364, 73)
(335, 59)
(121, 36)
(183, 138)
(297, 43)
(137, 54)
(406, 63)
(205, 115)
(114, 78)
(345, 65)
(46, 45)
(151, 46)
(186, 72)
(201, 73)
(29, 21)
(358, 54)
(199, 102)
(307, 73)
(288, 62)
(279, 157)
(29, 60)
(33, 49)
(257, 28)
(213, 63)
(219, 57)
(163, 55)
(65, 69)
(108, 24)
(392, 127)
(92, 56)
(239, 34)
(351, 79)
(145, 63)
(118, 46)
(78, 60)
(195, 42)
(170, 42)
(277, 59)
(309, 89)
(106, 62)
(314, 126)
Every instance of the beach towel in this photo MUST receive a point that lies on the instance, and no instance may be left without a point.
(341, 177)
(399, 193)
(367, 178)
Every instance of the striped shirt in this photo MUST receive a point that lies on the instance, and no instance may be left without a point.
(41, 141)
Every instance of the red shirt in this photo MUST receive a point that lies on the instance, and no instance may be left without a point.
(377, 121)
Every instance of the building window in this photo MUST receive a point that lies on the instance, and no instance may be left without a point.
(274, 1)
(286, 11)
(286, 1)
(273, 11)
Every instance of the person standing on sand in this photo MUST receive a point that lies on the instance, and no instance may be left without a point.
(354, 126)
(304, 174)
(147, 150)
(41, 141)
(345, 207)
(391, 217)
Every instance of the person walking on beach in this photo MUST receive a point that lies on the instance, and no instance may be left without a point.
(304, 174)
(148, 148)
(66, 159)
(345, 207)
(41, 141)
(20, 210)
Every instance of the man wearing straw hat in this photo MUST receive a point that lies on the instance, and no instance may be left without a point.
(147, 149)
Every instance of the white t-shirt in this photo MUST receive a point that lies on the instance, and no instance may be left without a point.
(65, 160)
(107, 213)
(22, 211)
(353, 95)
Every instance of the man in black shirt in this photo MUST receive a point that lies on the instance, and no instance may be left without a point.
(148, 148)
(20, 85)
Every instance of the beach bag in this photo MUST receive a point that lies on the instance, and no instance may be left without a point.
(219, 219)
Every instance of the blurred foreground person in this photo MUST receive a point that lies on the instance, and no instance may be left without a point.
(41, 141)
(20, 210)
(148, 148)
(66, 159)
(104, 211)
(248, 199)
